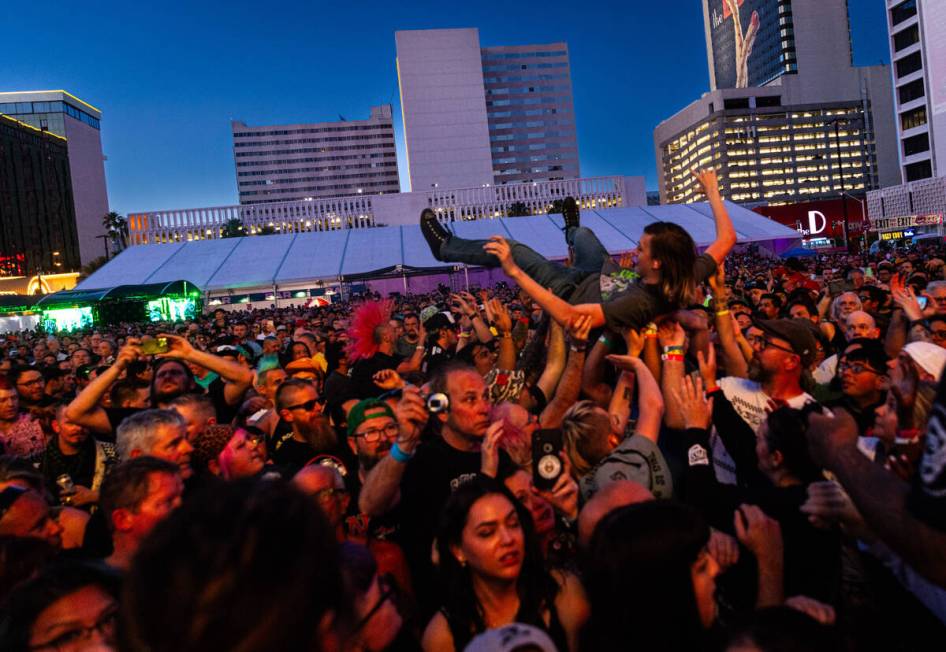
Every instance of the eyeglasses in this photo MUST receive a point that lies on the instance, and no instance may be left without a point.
(856, 367)
(31, 383)
(938, 335)
(308, 406)
(388, 592)
(762, 344)
(375, 434)
(328, 494)
(104, 626)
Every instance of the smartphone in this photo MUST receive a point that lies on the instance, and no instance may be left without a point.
(836, 287)
(155, 345)
(546, 460)
(922, 301)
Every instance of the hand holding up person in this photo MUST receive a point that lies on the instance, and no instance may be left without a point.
(501, 318)
(634, 341)
(499, 247)
(697, 410)
(578, 331)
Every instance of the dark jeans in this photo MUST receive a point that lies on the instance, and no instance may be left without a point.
(588, 253)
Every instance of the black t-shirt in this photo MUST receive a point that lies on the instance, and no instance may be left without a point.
(626, 302)
(362, 372)
(435, 471)
(291, 455)
(927, 499)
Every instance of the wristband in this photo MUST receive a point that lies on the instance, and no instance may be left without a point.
(675, 348)
(650, 336)
(419, 347)
(400, 456)
(672, 357)
(722, 313)
(463, 335)
(578, 348)
(473, 315)
(710, 390)
(604, 340)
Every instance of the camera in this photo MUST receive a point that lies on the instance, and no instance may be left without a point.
(437, 403)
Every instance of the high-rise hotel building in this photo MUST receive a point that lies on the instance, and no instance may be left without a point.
(477, 116)
(79, 123)
(316, 161)
(788, 117)
(917, 31)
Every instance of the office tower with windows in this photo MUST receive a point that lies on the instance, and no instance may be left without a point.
(477, 116)
(316, 161)
(79, 122)
(917, 31)
(37, 213)
(788, 118)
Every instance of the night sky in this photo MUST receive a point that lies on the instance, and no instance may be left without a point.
(169, 79)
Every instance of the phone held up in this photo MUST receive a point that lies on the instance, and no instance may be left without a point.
(546, 459)
(155, 345)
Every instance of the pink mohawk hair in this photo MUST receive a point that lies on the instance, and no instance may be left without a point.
(365, 319)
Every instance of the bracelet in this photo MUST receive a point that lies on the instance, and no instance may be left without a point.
(674, 348)
(604, 340)
(399, 455)
(722, 313)
(463, 335)
(419, 347)
(710, 390)
(650, 336)
(505, 336)
(578, 348)
(672, 357)
(473, 315)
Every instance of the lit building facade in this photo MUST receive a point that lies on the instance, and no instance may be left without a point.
(478, 116)
(37, 213)
(800, 123)
(277, 163)
(79, 122)
(531, 113)
(917, 31)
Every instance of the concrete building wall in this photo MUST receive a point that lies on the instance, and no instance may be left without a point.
(531, 113)
(87, 166)
(443, 104)
(319, 160)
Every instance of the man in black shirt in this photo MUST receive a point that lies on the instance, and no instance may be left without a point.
(301, 409)
(419, 477)
(363, 371)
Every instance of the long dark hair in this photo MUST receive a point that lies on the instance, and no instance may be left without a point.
(638, 579)
(536, 587)
(675, 250)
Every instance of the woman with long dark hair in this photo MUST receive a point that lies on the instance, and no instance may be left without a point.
(650, 580)
(493, 574)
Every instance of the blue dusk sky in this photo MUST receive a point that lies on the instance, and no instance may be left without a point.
(170, 76)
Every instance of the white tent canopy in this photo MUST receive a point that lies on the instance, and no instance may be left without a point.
(285, 259)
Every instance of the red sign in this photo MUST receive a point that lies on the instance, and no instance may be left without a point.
(819, 219)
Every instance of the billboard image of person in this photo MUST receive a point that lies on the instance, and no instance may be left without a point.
(748, 49)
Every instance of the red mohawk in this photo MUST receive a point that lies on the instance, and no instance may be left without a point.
(364, 321)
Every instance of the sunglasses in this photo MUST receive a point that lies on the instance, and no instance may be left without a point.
(308, 406)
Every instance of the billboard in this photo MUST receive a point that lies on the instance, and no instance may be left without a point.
(746, 42)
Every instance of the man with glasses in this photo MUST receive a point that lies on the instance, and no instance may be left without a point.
(372, 429)
(20, 433)
(307, 431)
(327, 487)
(862, 373)
(783, 351)
(31, 386)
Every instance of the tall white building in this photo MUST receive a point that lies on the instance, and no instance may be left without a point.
(917, 31)
(485, 116)
(316, 161)
(79, 123)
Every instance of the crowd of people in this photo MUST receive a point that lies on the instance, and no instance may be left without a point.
(674, 450)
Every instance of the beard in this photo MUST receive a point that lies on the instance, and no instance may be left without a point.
(756, 372)
(321, 436)
(368, 462)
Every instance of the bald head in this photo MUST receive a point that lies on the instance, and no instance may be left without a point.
(609, 498)
(315, 478)
(860, 324)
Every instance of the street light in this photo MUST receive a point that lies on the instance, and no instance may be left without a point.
(837, 142)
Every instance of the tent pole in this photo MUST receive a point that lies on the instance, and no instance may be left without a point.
(404, 278)
(275, 296)
(466, 277)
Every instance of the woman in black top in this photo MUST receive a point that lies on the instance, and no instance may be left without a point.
(493, 574)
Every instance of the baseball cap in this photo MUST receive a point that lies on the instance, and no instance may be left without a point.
(928, 356)
(512, 637)
(356, 416)
(795, 332)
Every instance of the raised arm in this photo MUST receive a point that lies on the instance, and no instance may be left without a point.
(85, 409)
(671, 335)
(237, 377)
(570, 385)
(559, 309)
(725, 328)
(554, 360)
(507, 348)
(725, 232)
(650, 401)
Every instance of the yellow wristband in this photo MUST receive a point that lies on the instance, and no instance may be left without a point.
(722, 313)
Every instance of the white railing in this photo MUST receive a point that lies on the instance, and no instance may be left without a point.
(361, 211)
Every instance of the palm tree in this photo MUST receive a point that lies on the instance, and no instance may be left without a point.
(90, 267)
(117, 228)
